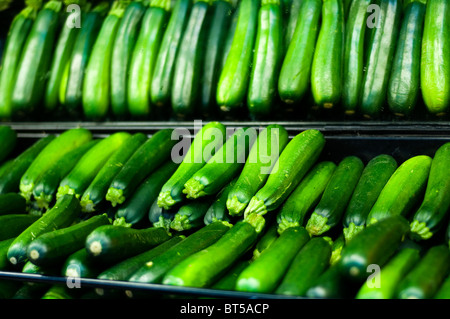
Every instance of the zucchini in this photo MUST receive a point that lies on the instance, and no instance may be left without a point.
(154, 270)
(96, 89)
(299, 155)
(266, 240)
(378, 66)
(12, 203)
(328, 60)
(94, 195)
(218, 209)
(191, 214)
(307, 265)
(373, 179)
(35, 59)
(81, 264)
(228, 280)
(4, 245)
(205, 143)
(267, 58)
(55, 246)
(435, 61)
(295, 73)
(58, 292)
(375, 244)
(425, 278)
(274, 260)
(305, 196)
(228, 41)
(403, 190)
(234, 77)
(160, 217)
(404, 82)
(8, 288)
(390, 275)
(444, 290)
(261, 162)
(222, 167)
(85, 170)
(186, 90)
(337, 246)
(146, 159)
(143, 58)
(293, 13)
(15, 40)
(124, 42)
(53, 152)
(8, 137)
(329, 285)
(61, 215)
(12, 225)
(328, 212)
(354, 53)
(165, 62)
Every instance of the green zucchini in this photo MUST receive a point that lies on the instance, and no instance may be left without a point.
(228, 280)
(430, 216)
(328, 60)
(12, 203)
(191, 214)
(331, 207)
(205, 143)
(444, 290)
(228, 41)
(146, 159)
(274, 260)
(378, 66)
(375, 244)
(61, 215)
(404, 82)
(124, 42)
(222, 167)
(435, 61)
(81, 264)
(390, 275)
(261, 162)
(233, 81)
(218, 209)
(55, 246)
(94, 195)
(160, 217)
(144, 56)
(305, 196)
(266, 240)
(293, 14)
(307, 265)
(96, 88)
(58, 292)
(12, 225)
(329, 285)
(295, 74)
(373, 179)
(55, 150)
(4, 246)
(8, 288)
(186, 90)
(337, 246)
(29, 292)
(425, 278)
(8, 137)
(447, 235)
(29, 87)
(403, 190)
(15, 40)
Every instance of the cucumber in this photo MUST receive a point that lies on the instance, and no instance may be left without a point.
(12, 225)
(29, 87)
(328, 60)
(4, 245)
(435, 61)
(185, 91)
(431, 215)
(390, 275)
(155, 269)
(308, 264)
(329, 285)
(299, 155)
(222, 167)
(55, 246)
(293, 13)
(372, 181)
(261, 162)
(218, 209)
(146, 159)
(94, 195)
(234, 77)
(15, 40)
(266, 240)
(61, 215)
(275, 260)
(124, 42)
(354, 52)
(53, 152)
(165, 62)
(330, 209)
(295, 73)
(191, 215)
(444, 290)
(143, 58)
(403, 190)
(378, 66)
(375, 244)
(404, 82)
(9, 138)
(424, 280)
(12, 203)
(205, 143)
(81, 264)
(305, 196)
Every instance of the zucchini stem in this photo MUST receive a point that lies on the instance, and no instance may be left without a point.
(317, 225)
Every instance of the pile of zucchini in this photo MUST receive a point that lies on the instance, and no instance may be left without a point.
(146, 60)
(256, 211)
